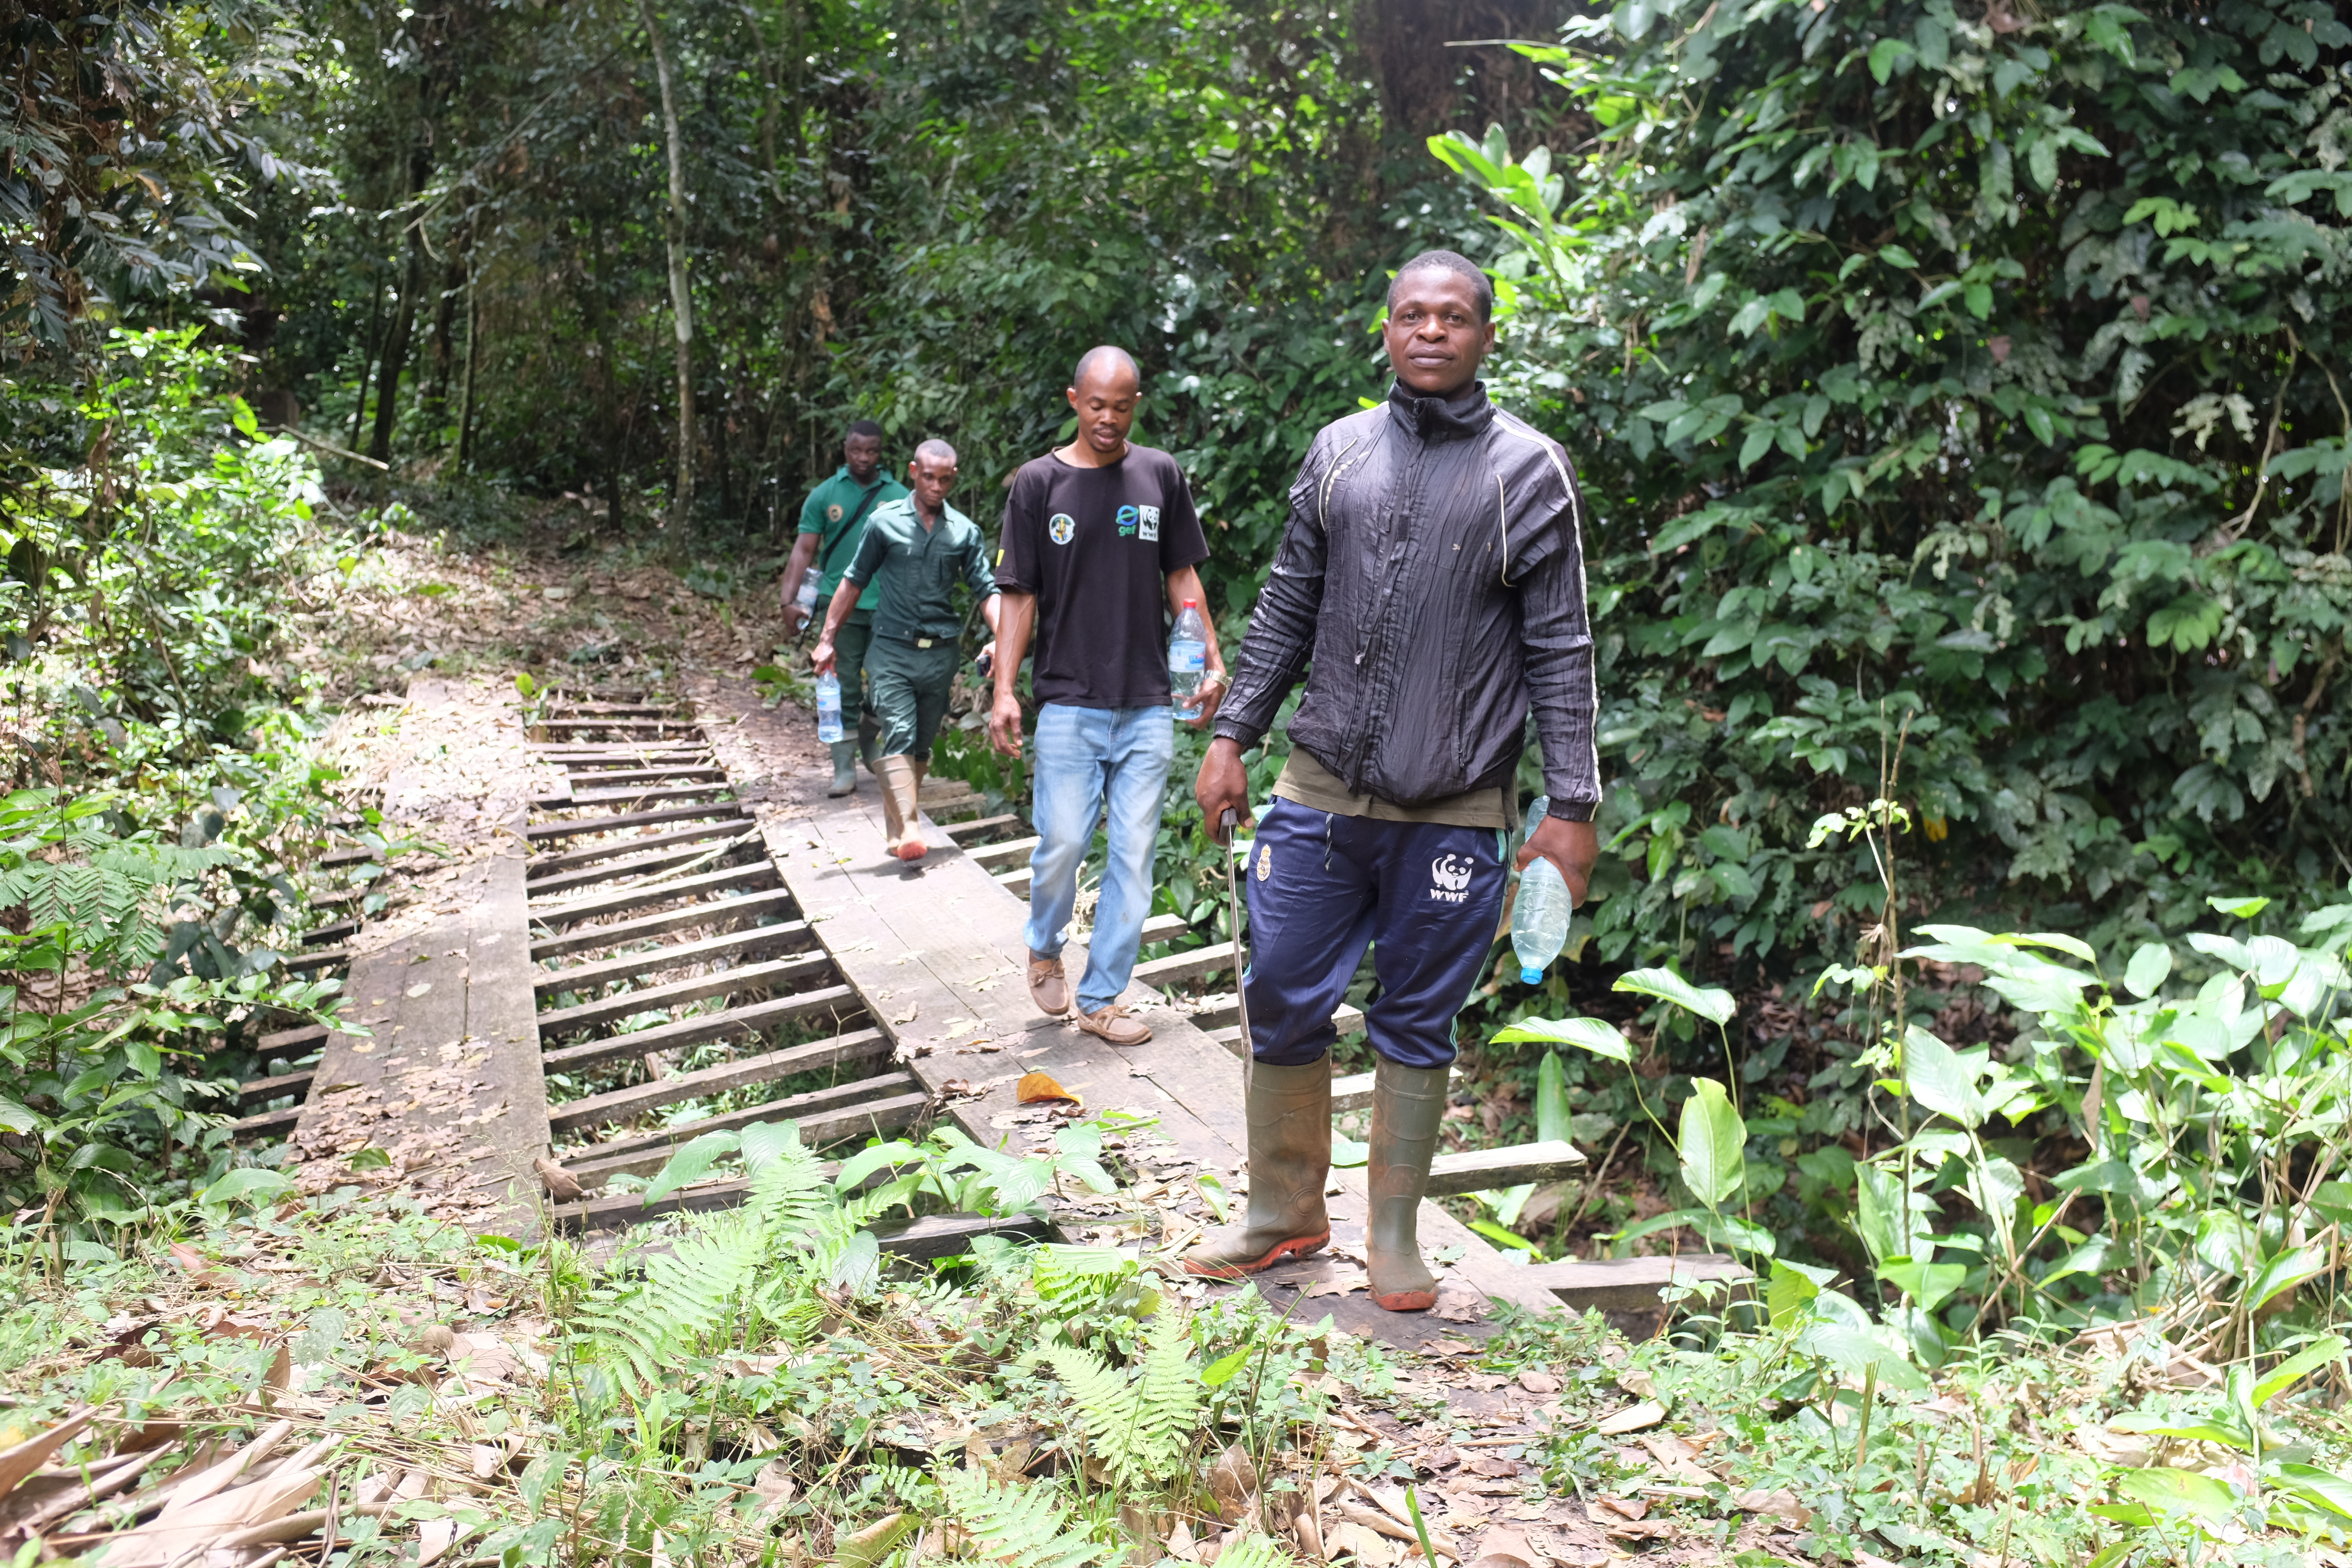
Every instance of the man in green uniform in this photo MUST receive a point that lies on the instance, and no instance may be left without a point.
(832, 520)
(914, 551)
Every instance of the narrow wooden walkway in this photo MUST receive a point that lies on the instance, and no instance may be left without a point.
(685, 916)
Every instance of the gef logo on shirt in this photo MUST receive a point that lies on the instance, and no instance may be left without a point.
(1127, 516)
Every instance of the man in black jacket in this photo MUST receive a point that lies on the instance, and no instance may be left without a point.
(1432, 573)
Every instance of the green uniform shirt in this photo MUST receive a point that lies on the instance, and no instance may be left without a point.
(915, 568)
(828, 514)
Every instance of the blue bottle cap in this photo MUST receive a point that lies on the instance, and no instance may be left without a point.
(1529, 976)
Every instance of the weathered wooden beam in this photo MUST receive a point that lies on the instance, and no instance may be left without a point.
(275, 1123)
(753, 1018)
(1015, 882)
(338, 932)
(1187, 965)
(835, 1111)
(621, 934)
(319, 958)
(262, 1090)
(959, 831)
(620, 1104)
(994, 855)
(300, 1038)
(734, 945)
(556, 1022)
(757, 874)
(651, 793)
(551, 864)
(661, 860)
(1478, 1170)
(689, 770)
(574, 828)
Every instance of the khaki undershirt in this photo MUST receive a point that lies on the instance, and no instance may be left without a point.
(1313, 785)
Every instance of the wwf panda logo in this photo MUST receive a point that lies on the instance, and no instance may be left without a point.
(1449, 876)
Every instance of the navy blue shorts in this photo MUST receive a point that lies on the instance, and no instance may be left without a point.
(1425, 897)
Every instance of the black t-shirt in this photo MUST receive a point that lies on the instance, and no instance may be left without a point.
(1096, 547)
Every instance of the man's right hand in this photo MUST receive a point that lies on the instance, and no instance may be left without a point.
(1223, 786)
(1004, 723)
(822, 659)
(795, 617)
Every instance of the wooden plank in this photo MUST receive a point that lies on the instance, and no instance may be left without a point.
(324, 958)
(616, 722)
(637, 754)
(1482, 1169)
(590, 977)
(831, 1127)
(753, 1018)
(1015, 882)
(338, 932)
(726, 879)
(555, 1021)
(652, 792)
(546, 865)
(1353, 1092)
(620, 708)
(574, 828)
(266, 1123)
(262, 1090)
(667, 860)
(1625, 1290)
(620, 933)
(951, 1235)
(959, 831)
(1222, 1020)
(301, 1037)
(601, 777)
(498, 1019)
(1188, 965)
(600, 1162)
(337, 858)
(620, 1104)
(991, 856)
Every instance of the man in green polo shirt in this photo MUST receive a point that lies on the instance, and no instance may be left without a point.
(914, 552)
(832, 520)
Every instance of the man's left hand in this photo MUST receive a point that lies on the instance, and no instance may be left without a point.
(1212, 695)
(1570, 847)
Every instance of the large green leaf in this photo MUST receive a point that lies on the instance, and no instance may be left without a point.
(2285, 1375)
(2284, 1272)
(2173, 1492)
(1927, 1283)
(691, 1161)
(1938, 1077)
(1713, 1143)
(2323, 1489)
(1708, 1002)
(250, 1185)
(2147, 969)
(1602, 1039)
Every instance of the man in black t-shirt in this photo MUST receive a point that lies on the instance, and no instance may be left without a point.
(1099, 538)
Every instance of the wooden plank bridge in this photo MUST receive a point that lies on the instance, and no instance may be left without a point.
(688, 891)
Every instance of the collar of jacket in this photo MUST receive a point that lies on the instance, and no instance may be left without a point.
(1464, 414)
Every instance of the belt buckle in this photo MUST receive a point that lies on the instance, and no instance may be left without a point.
(922, 642)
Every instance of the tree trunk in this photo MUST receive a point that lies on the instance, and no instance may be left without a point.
(600, 315)
(367, 360)
(473, 359)
(395, 352)
(680, 298)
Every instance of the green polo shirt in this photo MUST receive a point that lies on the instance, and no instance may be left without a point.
(827, 513)
(915, 569)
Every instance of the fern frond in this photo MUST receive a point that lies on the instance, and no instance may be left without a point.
(1168, 1396)
(1020, 1527)
(684, 1296)
(1254, 1551)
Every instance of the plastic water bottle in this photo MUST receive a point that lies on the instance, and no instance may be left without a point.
(828, 707)
(1188, 660)
(1540, 919)
(807, 599)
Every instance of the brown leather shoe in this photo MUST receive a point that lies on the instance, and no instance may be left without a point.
(1048, 987)
(1113, 1024)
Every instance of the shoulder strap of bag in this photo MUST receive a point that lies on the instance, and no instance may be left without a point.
(831, 561)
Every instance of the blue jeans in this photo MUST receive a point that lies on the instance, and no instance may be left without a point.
(1083, 756)
(1322, 888)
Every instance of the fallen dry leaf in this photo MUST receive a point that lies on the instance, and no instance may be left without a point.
(561, 1185)
(434, 1537)
(1632, 1418)
(1036, 1086)
(1781, 1504)
(1535, 1380)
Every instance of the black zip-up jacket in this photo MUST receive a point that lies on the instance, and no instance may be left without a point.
(1433, 567)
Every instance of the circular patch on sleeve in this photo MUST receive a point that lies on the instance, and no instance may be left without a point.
(833, 512)
(1061, 527)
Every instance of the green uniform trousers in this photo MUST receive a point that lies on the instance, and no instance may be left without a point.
(909, 689)
(849, 644)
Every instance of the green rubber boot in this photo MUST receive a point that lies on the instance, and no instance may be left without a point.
(1289, 1160)
(1408, 1104)
(844, 769)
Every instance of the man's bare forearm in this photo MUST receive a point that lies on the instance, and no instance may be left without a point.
(1015, 617)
